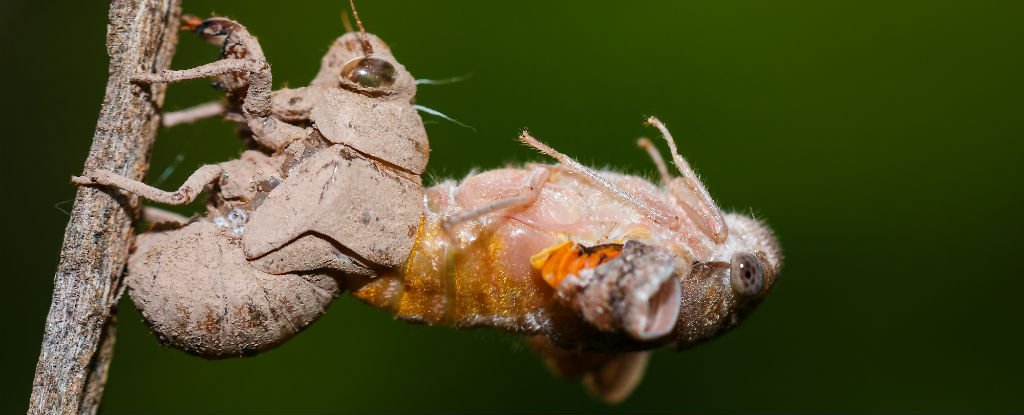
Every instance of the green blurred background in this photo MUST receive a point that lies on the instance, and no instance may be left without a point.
(880, 139)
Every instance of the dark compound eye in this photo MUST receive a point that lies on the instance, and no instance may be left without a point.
(746, 274)
(369, 72)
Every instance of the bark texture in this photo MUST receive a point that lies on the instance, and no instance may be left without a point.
(79, 335)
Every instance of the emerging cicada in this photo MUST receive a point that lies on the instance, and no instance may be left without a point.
(597, 267)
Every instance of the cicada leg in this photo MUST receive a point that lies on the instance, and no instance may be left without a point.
(192, 114)
(536, 184)
(185, 194)
(575, 166)
(694, 198)
(656, 158)
(156, 215)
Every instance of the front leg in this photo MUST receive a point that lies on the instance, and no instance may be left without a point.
(183, 196)
(257, 101)
(221, 67)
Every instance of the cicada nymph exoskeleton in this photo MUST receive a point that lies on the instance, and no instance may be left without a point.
(330, 187)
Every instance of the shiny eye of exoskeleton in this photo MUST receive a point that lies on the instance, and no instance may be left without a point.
(369, 72)
(746, 274)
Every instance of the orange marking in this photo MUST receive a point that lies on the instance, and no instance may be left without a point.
(190, 22)
(569, 258)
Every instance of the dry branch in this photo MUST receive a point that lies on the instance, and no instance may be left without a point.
(79, 336)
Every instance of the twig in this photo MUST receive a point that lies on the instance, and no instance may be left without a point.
(79, 336)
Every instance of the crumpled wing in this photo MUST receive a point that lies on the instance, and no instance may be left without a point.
(390, 130)
(610, 377)
(361, 206)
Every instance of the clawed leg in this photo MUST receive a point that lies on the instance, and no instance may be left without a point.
(184, 195)
(221, 67)
(257, 101)
(193, 114)
(689, 189)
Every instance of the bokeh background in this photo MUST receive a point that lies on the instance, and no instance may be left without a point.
(881, 139)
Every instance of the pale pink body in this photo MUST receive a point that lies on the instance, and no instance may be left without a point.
(568, 208)
(480, 273)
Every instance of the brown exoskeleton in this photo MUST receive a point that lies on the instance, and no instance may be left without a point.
(330, 186)
(595, 267)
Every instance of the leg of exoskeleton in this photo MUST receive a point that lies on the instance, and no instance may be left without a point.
(659, 162)
(256, 108)
(257, 101)
(696, 200)
(156, 215)
(575, 166)
(184, 195)
(193, 114)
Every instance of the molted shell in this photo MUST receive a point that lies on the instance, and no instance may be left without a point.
(198, 293)
(292, 105)
(360, 206)
(239, 175)
(348, 47)
(383, 128)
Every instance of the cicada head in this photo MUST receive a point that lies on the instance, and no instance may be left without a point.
(365, 101)
(719, 293)
(363, 63)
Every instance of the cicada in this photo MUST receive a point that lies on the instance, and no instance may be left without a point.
(596, 268)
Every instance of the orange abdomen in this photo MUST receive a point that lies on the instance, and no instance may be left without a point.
(465, 287)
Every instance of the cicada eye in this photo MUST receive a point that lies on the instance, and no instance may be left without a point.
(369, 72)
(746, 274)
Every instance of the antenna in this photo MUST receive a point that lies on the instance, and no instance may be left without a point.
(367, 48)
